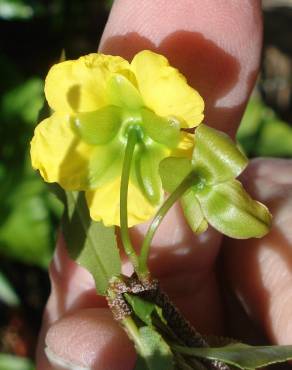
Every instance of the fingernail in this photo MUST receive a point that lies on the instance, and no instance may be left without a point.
(60, 363)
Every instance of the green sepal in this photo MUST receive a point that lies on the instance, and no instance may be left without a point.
(90, 243)
(105, 164)
(242, 356)
(165, 131)
(122, 93)
(147, 172)
(216, 158)
(230, 210)
(172, 171)
(193, 212)
(98, 127)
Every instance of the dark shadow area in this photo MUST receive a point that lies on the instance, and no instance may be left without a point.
(73, 97)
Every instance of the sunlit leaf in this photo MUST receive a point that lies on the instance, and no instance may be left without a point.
(90, 243)
(230, 210)
(216, 157)
(143, 309)
(242, 356)
(154, 350)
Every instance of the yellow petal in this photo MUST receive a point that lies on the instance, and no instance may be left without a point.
(59, 155)
(104, 204)
(80, 85)
(165, 90)
(185, 147)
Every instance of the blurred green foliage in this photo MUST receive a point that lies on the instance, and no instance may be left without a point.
(29, 213)
(262, 133)
(9, 362)
(27, 210)
(33, 34)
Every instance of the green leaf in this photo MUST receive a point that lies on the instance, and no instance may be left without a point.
(154, 350)
(251, 120)
(216, 158)
(229, 209)
(90, 243)
(165, 131)
(7, 293)
(275, 139)
(143, 309)
(27, 210)
(242, 356)
(172, 171)
(10, 362)
(193, 212)
(98, 127)
(122, 93)
(105, 164)
(23, 101)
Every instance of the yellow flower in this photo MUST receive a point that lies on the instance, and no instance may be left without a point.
(95, 100)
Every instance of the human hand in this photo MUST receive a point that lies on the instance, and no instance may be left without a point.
(216, 45)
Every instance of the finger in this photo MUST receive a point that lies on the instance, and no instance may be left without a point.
(215, 44)
(97, 342)
(72, 292)
(260, 270)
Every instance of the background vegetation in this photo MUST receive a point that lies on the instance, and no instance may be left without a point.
(33, 35)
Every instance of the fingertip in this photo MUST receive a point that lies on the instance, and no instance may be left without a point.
(89, 339)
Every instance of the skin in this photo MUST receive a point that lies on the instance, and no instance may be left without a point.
(217, 45)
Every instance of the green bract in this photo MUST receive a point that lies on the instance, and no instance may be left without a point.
(216, 197)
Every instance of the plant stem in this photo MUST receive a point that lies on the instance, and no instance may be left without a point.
(133, 332)
(188, 181)
(130, 147)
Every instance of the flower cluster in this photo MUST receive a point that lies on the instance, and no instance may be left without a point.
(95, 101)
